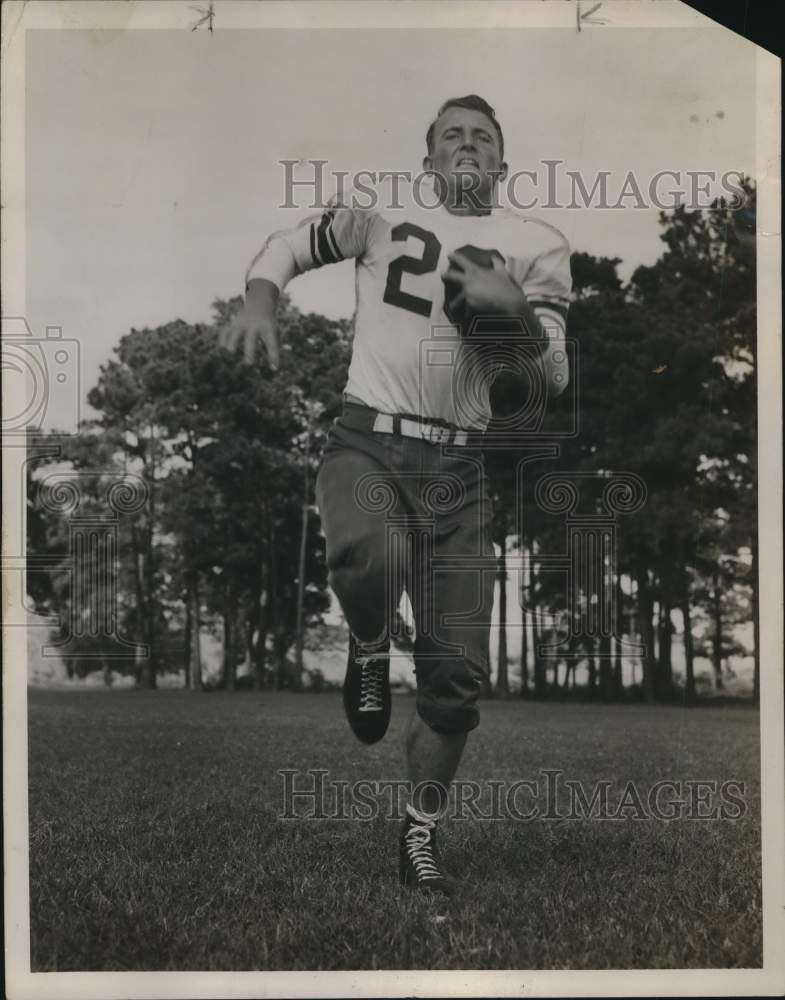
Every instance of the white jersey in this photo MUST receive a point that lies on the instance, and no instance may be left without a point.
(404, 354)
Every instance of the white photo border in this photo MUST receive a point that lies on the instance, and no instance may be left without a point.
(118, 15)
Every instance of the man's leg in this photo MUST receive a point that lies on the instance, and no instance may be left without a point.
(435, 742)
(432, 760)
(452, 610)
(353, 488)
(356, 542)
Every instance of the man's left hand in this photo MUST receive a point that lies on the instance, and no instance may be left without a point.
(482, 290)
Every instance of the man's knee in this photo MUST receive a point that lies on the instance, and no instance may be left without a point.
(358, 567)
(447, 695)
(357, 574)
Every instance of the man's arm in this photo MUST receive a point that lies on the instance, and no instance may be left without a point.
(541, 302)
(547, 288)
(256, 322)
(492, 292)
(327, 238)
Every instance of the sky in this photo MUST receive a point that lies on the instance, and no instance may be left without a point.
(152, 157)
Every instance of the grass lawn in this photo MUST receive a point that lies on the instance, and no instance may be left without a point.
(155, 841)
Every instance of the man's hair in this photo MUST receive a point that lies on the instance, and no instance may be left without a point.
(473, 103)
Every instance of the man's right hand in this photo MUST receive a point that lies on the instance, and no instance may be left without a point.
(255, 321)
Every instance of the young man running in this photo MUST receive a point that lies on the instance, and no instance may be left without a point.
(401, 488)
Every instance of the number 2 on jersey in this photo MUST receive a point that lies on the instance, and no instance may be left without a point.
(394, 295)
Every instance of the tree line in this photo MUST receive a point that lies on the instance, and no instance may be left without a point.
(229, 532)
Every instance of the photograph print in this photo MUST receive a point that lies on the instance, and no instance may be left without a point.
(392, 473)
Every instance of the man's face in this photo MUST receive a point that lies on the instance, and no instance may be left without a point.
(466, 153)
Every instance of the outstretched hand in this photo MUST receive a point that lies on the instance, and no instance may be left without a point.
(255, 322)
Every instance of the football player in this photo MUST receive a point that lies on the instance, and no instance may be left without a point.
(401, 487)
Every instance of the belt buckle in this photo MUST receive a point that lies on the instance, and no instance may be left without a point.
(437, 435)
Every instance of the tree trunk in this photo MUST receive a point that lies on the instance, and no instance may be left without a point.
(139, 662)
(555, 661)
(187, 637)
(151, 666)
(195, 656)
(260, 653)
(632, 628)
(300, 622)
(524, 640)
(755, 618)
(646, 606)
(279, 647)
(606, 676)
(655, 649)
(666, 651)
(264, 604)
(140, 633)
(257, 627)
(689, 654)
(716, 645)
(149, 674)
(540, 689)
(569, 665)
(239, 635)
(502, 676)
(592, 653)
(618, 682)
(276, 625)
(229, 616)
(149, 670)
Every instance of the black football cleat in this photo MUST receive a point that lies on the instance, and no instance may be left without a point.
(419, 858)
(366, 689)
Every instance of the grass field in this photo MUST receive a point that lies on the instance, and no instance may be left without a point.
(155, 842)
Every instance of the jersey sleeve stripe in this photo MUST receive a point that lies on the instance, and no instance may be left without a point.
(317, 262)
(325, 251)
(333, 243)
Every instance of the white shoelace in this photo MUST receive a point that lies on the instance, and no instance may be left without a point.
(372, 682)
(420, 851)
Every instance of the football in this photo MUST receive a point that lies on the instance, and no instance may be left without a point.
(469, 324)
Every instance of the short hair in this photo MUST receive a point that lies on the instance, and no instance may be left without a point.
(473, 103)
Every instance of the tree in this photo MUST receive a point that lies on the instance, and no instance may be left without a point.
(218, 446)
(666, 379)
(500, 534)
(228, 455)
